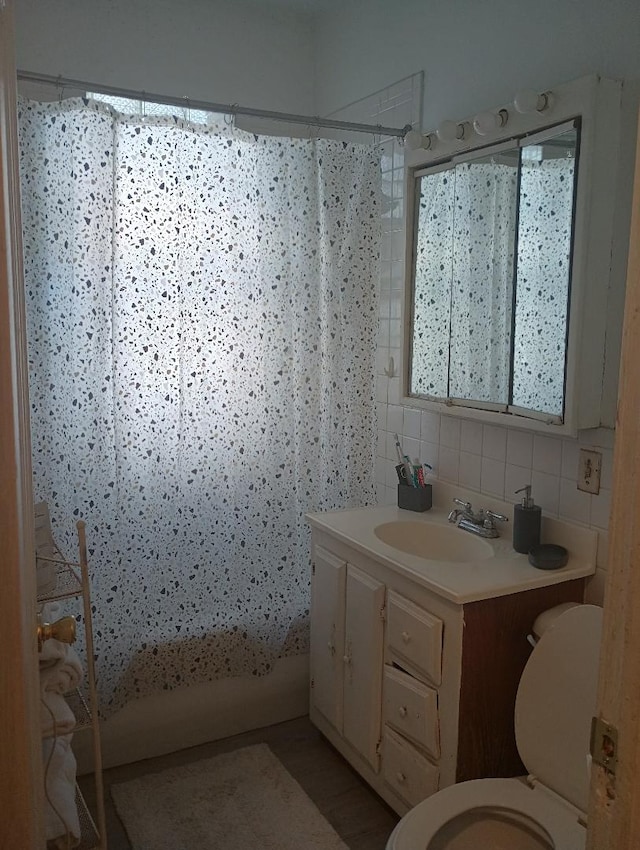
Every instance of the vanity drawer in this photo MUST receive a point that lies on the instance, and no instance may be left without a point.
(411, 708)
(411, 775)
(414, 638)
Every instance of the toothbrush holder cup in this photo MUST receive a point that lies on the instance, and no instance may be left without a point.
(414, 498)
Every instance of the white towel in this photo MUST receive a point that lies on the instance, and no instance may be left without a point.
(60, 669)
(60, 810)
(60, 672)
(56, 717)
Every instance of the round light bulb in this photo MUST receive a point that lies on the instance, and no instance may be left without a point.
(530, 101)
(486, 123)
(413, 140)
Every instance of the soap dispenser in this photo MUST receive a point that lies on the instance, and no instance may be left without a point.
(526, 522)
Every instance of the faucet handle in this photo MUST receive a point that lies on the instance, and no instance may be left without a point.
(491, 515)
(465, 505)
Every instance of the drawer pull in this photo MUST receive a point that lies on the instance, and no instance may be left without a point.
(401, 777)
(406, 637)
(402, 711)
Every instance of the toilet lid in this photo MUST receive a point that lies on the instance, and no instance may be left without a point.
(555, 703)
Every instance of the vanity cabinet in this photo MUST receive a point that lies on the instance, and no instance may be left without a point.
(414, 690)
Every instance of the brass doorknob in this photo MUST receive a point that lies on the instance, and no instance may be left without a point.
(63, 630)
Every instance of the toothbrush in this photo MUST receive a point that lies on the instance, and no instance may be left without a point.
(404, 460)
(399, 449)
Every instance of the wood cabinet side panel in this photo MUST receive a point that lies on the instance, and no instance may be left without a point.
(495, 651)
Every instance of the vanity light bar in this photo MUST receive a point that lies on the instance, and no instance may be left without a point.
(484, 123)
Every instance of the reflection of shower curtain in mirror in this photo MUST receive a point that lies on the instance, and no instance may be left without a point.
(544, 260)
(432, 286)
(463, 282)
(202, 318)
(481, 299)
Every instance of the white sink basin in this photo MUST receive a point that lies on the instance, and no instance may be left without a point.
(434, 542)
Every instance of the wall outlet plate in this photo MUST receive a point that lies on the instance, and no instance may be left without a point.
(589, 467)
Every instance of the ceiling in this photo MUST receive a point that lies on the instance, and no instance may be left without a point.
(310, 6)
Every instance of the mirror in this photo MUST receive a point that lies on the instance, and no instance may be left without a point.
(491, 275)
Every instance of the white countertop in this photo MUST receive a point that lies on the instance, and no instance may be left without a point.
(500, 574)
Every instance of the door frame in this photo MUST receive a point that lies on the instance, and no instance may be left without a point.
(21, 780)
(614, 805)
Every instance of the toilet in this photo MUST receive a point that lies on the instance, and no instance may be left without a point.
(545, 810)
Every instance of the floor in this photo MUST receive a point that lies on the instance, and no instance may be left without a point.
(358, 815)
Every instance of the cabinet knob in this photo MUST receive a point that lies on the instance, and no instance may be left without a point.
(331, 648)
(401, 777)
(406, 637)
(402, 711)
(346, 659)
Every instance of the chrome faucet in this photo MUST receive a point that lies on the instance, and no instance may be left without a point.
(481, 522)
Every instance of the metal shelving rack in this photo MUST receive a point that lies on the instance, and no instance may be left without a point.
(72, 581)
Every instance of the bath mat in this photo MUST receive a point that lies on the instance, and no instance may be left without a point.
(240, 800)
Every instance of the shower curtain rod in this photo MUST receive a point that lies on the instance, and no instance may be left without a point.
(207, 106)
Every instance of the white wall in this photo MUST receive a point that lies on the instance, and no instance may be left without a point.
(475, 53)
(227, 51)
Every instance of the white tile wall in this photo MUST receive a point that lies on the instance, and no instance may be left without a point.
(492, 460)
(520, 448)
(547, 454)
(494, 443)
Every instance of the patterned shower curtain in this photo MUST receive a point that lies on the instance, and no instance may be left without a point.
(202, 318)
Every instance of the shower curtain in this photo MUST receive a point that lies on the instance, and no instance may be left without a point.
(202, 326)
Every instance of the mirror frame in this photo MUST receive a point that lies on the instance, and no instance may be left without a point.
(595, 102)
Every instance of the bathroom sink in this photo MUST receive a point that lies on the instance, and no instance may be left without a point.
(432, 541)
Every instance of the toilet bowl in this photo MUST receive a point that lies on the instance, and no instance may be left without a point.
(545, 810)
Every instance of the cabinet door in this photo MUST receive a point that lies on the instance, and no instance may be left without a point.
(327, 635)
(363, 664)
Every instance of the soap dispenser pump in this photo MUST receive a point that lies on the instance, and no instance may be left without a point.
(526, 522)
